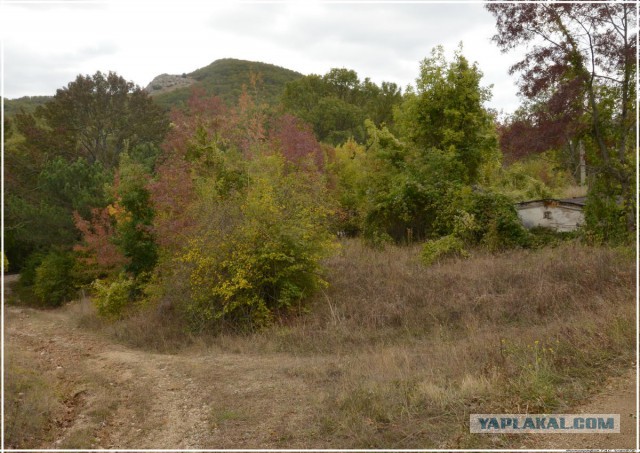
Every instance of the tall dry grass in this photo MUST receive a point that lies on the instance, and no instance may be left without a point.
(403, 353)
(30, 402)
(386, 297)
(417, 349)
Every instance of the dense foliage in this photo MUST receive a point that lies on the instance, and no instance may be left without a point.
(94, 117)
(27, 104)
(337, 104)
(413, 184)
(219, 214)
(252, 222)
(65, 152)
(579, 82)
(447, 113)
(54, 281)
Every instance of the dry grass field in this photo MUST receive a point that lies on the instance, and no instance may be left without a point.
(392, 354)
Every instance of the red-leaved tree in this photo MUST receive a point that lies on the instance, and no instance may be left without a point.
(97, 249)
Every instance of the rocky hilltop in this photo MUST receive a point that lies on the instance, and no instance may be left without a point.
(168, 82)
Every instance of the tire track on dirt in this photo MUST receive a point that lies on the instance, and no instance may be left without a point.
(118, 397)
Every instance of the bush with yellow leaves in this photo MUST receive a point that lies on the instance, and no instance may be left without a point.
(255, 253)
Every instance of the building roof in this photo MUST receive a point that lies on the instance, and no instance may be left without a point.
(575, 201)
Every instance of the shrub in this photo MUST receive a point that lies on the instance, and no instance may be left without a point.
(543, 237)
(28, 272)
(499, 226)
(444, 247)
(376, 238)
(257, 253)
(465, 227)
(605, 220)
(111, 298)
(54, 283)
(484, 219)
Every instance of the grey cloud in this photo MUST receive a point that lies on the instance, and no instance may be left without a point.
(365, 35)
(30, 73)
(91, 51)
(25, 77)
(403, 27)
(247, 19)
(49, 5)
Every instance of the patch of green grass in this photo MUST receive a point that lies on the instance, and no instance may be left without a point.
(220, 416)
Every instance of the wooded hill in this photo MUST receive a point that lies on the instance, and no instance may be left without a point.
(223, 78)
(226, 77)
(27, 103)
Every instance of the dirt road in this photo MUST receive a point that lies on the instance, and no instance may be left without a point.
(117, 397)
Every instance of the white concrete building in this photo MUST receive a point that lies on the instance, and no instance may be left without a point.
(559, 215)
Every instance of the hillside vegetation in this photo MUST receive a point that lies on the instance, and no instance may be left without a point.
(26, 103)
(225, 78)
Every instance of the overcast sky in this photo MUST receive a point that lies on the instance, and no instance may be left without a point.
(48, 43)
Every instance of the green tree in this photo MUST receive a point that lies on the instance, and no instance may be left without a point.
(379, 101)
(39, 216)
(337, 104)
(133, 212)
(54, 282)
(347, 175)
(419, 183)
(403, 189)
(92, 117)
(446, 112)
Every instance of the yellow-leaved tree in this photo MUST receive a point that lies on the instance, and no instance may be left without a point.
(242, 218)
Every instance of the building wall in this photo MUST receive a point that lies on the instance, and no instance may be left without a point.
(559, 218)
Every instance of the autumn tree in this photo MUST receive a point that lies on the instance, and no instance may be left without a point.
(97, 250)
(295, 141)
(579, 71)
(118, 250)
(241, 214)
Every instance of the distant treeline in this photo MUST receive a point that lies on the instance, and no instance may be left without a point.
(27, 103)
